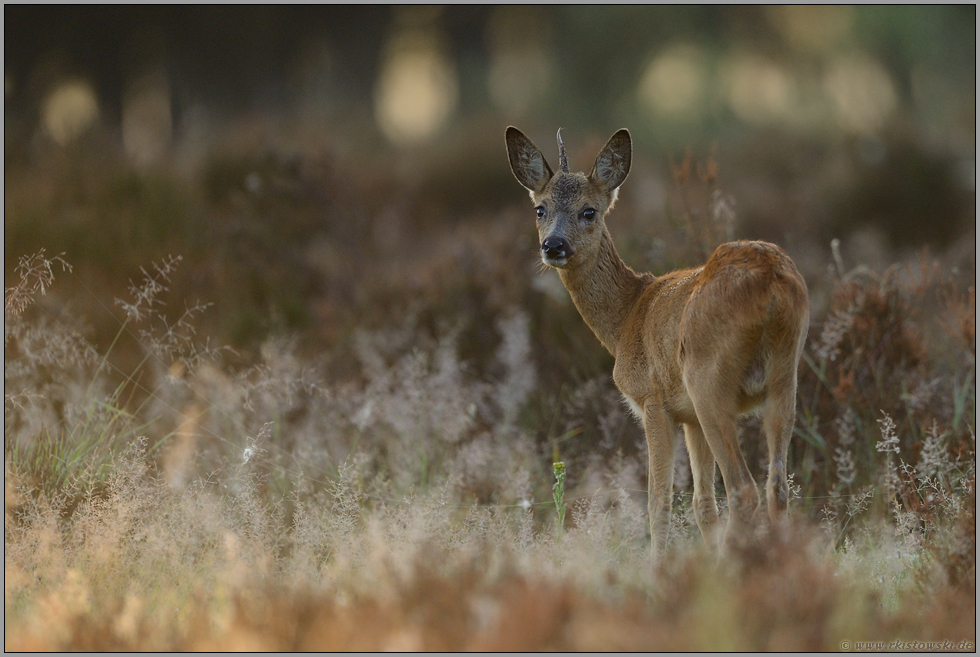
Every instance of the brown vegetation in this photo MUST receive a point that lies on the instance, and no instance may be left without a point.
(370, 465)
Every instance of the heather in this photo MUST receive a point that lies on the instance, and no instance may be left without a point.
(402, 481)
(287, 380)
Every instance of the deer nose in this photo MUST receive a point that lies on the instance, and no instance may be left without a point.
(556, 247)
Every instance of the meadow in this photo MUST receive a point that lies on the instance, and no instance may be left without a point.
(279, 398)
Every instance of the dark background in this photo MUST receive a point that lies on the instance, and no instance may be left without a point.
(271, 170)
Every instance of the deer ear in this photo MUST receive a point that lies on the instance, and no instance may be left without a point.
(526, 161)
(612, 164)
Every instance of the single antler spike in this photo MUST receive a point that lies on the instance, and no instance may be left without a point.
(562, 158)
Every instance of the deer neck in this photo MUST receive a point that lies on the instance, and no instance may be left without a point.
(604, 289)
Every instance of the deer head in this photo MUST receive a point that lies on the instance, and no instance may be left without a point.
(571, 207)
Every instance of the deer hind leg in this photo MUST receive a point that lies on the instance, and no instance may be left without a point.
(779, 416)
(660, 480)
(714, 403)
(703, 475)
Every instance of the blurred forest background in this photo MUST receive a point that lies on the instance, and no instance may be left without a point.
(280, 150)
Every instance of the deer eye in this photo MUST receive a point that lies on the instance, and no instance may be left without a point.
(540, 211)
(588, 214)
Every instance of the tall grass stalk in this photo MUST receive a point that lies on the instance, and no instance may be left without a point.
(558, 493)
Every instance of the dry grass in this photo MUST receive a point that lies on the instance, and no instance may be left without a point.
(383, 480)
(147, 568)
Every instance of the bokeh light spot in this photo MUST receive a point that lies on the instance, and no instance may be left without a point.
(69, 110)
(861, 91)
(520, 68)
(674, 83)
(812, 28)
(416, 92)
(757, 89)
(147, 121)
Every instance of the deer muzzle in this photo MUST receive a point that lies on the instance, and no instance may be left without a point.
(556, 251)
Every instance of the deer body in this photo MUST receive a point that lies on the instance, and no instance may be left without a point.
(697, 347)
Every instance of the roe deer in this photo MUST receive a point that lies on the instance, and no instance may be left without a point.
(700, 347)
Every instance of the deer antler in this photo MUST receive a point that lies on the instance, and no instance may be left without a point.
(562, 158)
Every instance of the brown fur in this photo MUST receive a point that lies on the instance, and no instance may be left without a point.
(697, 347)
